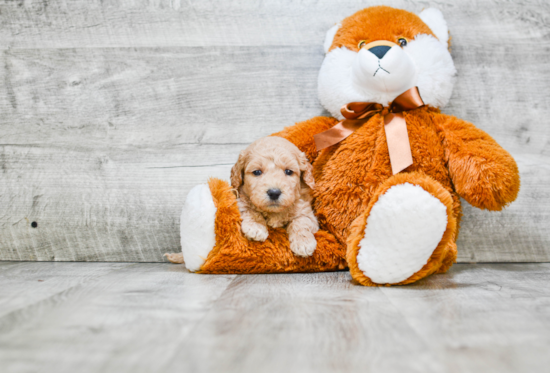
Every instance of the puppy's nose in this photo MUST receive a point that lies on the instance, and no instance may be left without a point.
(380, 51)
(274, 194)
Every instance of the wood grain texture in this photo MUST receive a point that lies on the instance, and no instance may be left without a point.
(124, 321)
(113, 110)
(22, 284)
(151, 23)
(96, 317)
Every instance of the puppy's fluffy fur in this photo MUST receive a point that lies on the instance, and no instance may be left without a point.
(273, 165)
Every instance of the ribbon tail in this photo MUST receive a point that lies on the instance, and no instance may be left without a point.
(336, 134)
(397, 138)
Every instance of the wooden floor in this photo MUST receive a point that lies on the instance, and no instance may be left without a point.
(121, 317)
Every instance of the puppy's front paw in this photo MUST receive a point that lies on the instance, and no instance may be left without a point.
(303, 244)
(254, 231)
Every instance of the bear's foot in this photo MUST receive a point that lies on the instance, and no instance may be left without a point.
(212, 241)
(405, 234)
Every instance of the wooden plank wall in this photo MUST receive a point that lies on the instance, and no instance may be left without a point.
(112, 110)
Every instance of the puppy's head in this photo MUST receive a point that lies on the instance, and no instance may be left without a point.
(271, 172)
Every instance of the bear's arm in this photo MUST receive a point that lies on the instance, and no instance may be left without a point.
(483, 173)
(301, 134)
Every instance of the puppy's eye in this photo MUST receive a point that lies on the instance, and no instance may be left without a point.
(361, 44)
(257, 172)
(289, 172)
(402, 42)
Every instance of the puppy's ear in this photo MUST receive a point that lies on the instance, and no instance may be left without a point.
(306, 170)
(237, 172)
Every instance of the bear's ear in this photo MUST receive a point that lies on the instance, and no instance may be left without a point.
(330, 36)
(435, 21)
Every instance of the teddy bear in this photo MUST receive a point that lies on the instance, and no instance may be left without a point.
(389, 166)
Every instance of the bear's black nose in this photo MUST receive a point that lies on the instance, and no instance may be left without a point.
(274, 194)
(380, 51)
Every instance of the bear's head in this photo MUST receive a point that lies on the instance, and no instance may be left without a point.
(380, 52)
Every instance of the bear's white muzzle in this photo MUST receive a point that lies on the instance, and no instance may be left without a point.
(394, 72)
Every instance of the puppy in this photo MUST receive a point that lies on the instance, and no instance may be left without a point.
(273, 179)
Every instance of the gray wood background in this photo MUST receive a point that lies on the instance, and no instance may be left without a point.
(112, 110)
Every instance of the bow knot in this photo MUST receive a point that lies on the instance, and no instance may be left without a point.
(361, 110)
(358, 113)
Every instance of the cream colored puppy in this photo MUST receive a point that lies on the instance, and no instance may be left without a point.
(273, 178)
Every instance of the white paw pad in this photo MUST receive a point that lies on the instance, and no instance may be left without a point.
(197, 227)
(403, 229)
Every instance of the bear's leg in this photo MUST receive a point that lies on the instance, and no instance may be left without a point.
(406, 233)
(212, 241)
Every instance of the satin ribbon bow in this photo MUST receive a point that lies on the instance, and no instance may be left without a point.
(358, 113)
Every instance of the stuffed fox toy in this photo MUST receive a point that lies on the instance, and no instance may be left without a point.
(389, 167)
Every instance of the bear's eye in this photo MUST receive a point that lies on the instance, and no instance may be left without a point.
(289, 172)
(257, 172)
(361, 44)
(402, 42)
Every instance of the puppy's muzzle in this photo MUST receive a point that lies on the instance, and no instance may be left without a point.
(274, 194)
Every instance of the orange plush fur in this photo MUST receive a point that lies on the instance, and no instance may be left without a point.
(451, 157)
(378, 23)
